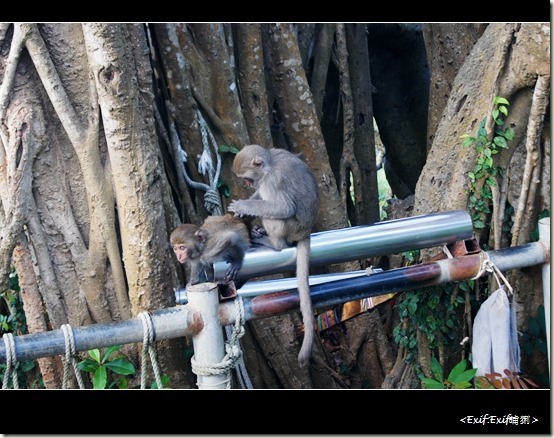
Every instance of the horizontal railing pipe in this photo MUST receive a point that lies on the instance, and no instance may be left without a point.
(168, 323)
(185, 320)
(274, 301)
(353, 243)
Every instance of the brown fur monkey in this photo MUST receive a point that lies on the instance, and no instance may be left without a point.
(287, 201)
(220, 238)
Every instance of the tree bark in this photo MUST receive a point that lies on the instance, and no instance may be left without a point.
(251, 78)
(400, 74)
(364, 135)
(297, 113)
(447, 46)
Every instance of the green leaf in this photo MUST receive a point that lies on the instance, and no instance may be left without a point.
(478, 225)
(228, 148)
(164, 379)
(109, 351)
(88, 365)
(27, 366)
(534, 327)
(465, 376)
(500, 100)
(503, 110)
(436, 369)
(500, 142)
(100, 378)
(120, 366)
(432, 384)
(509, 134)
(495, 114)
(123, 384)
(458, 368)
(225, 190)
(461, 385)
(95, 354)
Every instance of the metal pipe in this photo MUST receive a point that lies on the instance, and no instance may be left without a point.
(255, 288)
(168, 323)
(187, 321)
(331, 293)
(208, 344)
(381, 238)
(544, 236)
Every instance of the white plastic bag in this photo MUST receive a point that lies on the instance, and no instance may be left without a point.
(495, 346)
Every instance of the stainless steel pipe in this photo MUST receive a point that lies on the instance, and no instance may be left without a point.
(346, 244)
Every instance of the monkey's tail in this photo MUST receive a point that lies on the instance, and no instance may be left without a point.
(302, 274)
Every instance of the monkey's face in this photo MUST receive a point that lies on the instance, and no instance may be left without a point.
(250, 170)
(187, 241)
(183, 253)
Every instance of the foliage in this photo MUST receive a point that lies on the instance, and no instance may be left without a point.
(165, 382)
(535, 336)
(24, 375)
(432, 311)
(222, 185)
(513, 380)
(485, 171)
(16, 323)
(102, 368)
(459, 377)
(534, 340)
(228, 148)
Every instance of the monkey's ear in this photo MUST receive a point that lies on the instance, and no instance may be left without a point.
(200, 236)
(257, 161)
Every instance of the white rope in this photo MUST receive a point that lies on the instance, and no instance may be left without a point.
(487, 266)
(233, 353)
(212, 200)
(11, 362)
(147, 347)
(70, 358)
(242, 373)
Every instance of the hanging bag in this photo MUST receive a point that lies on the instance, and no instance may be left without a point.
(495, 345)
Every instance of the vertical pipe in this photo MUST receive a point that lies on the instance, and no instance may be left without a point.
(544, 236)
(208, 344)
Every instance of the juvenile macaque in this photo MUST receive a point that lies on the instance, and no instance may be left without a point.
(220, 238)
(287, 201)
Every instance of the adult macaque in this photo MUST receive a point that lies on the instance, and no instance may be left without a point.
(219, 238)
(287, 201)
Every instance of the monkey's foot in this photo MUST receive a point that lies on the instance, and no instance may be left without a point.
(258, 232)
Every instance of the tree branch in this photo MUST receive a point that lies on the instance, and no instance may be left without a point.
(529, 180)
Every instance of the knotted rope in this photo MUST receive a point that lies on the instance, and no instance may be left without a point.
(487, 266)
(70, 357)
(233, 353)
(205, 167)
(148, 348)
(11, 362)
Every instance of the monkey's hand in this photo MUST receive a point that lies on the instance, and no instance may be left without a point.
(238, 207)
(232, 271)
